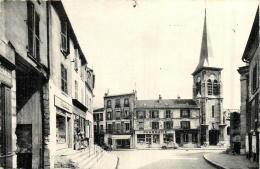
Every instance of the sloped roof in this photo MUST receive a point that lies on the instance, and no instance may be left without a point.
(166, 103)
(206, 54)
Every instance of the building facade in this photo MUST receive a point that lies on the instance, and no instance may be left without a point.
(38, 52)
(99, 125)
(250, 89)
(159, 121)
(119, 113)
(207, 90)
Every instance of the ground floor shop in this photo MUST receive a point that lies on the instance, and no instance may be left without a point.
(119, 141)
(188, 138)
(153, 138)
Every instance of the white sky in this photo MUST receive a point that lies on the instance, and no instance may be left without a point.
(157, 44)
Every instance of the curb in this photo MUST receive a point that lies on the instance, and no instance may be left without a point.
(213, 163)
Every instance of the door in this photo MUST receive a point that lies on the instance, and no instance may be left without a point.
(213, 137)
(148, 140)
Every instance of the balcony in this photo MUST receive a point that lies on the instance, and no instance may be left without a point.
(116, 131)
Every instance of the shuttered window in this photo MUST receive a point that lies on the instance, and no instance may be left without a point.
(185, 124)
(254, 79)
(168, 124)
(76, 89)
(64, 86)
(33, 23)
(64, 33)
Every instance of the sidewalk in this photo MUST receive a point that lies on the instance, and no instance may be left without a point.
(227, 161)
(180, 148)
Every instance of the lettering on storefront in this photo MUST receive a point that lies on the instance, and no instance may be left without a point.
(5, 75)
(62, 104)
(151, 132)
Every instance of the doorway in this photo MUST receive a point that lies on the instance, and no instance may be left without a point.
(148, 140)
(213, 137)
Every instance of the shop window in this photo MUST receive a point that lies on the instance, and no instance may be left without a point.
(155, 125)
(109, 104)
(185, 124)
(76, 89)
(209, 85)
(109, 116)
(185, 137)
(254, 79)
(185, 113)
(168, 124)
(141, 125)
(33, 23)
(154, 114)
(118, 115)
(127, 126)
(60, 129)
(140, 138)
(117, 103)
(167, 138)
(194, 138)
(126, 102)
(64, 86)
(168, 114)
(215, 87)
(156, 139)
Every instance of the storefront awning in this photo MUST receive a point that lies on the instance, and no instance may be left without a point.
(121, 136)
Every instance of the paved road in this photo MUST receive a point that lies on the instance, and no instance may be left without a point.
(163, 159)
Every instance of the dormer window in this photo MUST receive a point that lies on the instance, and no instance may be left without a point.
(126, 103)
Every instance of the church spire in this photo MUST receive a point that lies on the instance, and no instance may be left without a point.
(206, 54)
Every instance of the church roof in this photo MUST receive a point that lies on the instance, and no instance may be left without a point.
(206, 54)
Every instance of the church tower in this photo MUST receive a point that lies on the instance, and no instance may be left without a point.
(207, 90)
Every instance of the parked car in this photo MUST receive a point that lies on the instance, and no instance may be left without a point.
(170, 144)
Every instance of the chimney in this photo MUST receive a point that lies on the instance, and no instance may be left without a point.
(160, 98)
(178, 97)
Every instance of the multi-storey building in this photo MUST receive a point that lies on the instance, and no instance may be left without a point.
(38, 54)
(158, 121)
(250, 125)
(207, 88)
(118, 112)
(99, 125)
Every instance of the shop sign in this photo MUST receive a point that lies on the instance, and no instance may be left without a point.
(62, 104)
(5, 75)
(154, 131)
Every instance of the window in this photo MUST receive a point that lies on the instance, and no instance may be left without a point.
(76, 89)
(213, 111)
(126, 114)
(127, 126)
(118, 127)
(216, 87)
(101, 127)
(168, 125)
(185, 124)
(109, 127)
(168, 114)
(156, 139)
(109, 103)
(254, 79)
(140, 115)
(209, 84)
(109, 116)
(194, 138)
(64, 38)
(95, 128)
(33, 22)
(228, 130)
(101, 116)
(155, 125)
(126, 103)
(185, 113)
(140, 138)
(76, 60)
(117, 103)
(154, 114)
(141, 125)
(64, 86)
(118, 115)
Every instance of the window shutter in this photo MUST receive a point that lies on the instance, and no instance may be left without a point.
(37, 36)
(30, 23)
(64, 32)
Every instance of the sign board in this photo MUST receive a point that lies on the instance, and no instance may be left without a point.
(62, 104)
(5, 75)
(154, 131)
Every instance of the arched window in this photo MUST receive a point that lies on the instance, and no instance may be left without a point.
(215, 87)
(209, 84)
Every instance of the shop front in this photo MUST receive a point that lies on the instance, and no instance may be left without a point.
(121, 141)
(153, 138)
(63, 124)
(188, 138)
(80, 123)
